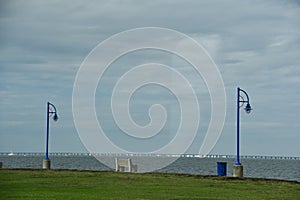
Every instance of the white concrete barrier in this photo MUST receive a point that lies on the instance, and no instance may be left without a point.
(125, 165)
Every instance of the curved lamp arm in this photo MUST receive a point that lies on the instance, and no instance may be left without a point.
(55, 117)
(248, 106)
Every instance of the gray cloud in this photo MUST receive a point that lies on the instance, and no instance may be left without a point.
(255, 44)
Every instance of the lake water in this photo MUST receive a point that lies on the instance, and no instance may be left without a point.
(284, 169)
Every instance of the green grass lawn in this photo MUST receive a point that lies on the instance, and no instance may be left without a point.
(54, 184)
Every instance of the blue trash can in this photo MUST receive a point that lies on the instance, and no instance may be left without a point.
(222, 168)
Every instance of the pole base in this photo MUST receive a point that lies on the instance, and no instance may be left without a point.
(238, 171)
(46, 164)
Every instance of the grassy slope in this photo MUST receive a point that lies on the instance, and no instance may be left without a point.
(39, 184)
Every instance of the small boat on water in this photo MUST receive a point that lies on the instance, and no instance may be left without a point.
(11, 153)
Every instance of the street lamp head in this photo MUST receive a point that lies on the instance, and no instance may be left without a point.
(248, 108)
(55, 117)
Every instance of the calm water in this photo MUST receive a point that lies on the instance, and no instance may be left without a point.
(258, 168)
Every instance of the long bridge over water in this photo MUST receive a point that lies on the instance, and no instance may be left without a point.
(149, 155)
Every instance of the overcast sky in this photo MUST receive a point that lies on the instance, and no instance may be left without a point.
(255, 44)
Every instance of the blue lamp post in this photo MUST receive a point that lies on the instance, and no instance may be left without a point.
(51, 111)
(238, 168)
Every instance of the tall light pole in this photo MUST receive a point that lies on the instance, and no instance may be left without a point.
(51, 111)
(238, 167)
